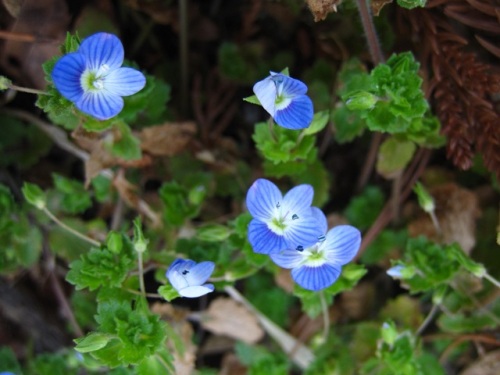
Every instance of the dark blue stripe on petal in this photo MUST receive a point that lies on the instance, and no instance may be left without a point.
(293, 87)
(124, 81)
(316, 278)
(102, 48)
(262, 199)
(100, 105)
(263, 240)
(298, 114)
(66, 76)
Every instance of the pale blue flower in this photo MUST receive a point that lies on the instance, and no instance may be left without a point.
(189, 277)
(319, 266)
(93, 77)
(282, 222)
(395, 271)
(285, 99)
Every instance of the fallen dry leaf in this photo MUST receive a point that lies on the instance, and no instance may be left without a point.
(377, 5)
(168, 139)
(321, 8)
(487, 365)
(456, 211)
(227, 317)
(184, 360)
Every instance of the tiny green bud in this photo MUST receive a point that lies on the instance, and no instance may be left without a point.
(424, 198)
(140, 243)
(4, 83)
(389, 333)
(114, 242)
(361, 100)
(197, 194)
(34, 195)
(213, 233)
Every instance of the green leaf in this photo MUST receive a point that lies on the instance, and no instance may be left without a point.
(9, 361)
(159, 363)
(5, 83)
(364, 209)
(102, 188)
(393, 157)
(101, 267)
(92, 342)
(347, 124)
(410, 4)
(34, 195)
(213, 233)
(316, 175)
(360, 100)
(459, 323)
(114, 242)
(75, 199)
(319, 121)
(124, 145)
(177, 205)
(168, 292)
(252, 99)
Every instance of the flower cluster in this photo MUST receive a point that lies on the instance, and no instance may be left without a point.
(285, 99)
(93, 77)
(295, 235)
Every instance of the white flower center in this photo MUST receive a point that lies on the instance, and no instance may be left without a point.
(92, 80)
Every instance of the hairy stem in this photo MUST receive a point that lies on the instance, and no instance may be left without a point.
(27, 89)
(69, 229)
(141, 273)
(491, 279)
(427, 320)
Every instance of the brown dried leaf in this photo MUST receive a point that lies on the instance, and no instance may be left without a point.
(45, 20)
(168, 139)
(127, 191)
(231, 365)
(377, 5)
(184, 360)
(321, 8)
(486, 365)
(456, 211)
(227, 317)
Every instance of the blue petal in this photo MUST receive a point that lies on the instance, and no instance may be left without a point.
(100, 104)
(102, 49)
(321, 218)
(297, 115)
(265, 91)
(290, 87)
(196, 291)
(124, 81)
(177, 280)
(341, 244)
(262, 198)
(66, 76)
(395, 271)
(316, 278)
(305, 230)
(198, 274)
(288, 258)
(263, 240)
(298, 199)
(180, 265)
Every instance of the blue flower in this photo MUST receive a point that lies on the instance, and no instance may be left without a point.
(93, 79)
(189, 278)
(285, 99)
(319, 266)
(282, 222)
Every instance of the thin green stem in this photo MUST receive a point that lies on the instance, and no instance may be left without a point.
(492, 280)
(270, 122)
(428, 319)
(141, 273)
(326, 316)
(69, 229)
(435, 222)
(26, 89)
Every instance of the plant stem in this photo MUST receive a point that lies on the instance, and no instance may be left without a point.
(435, 222)
(427, 320)
(141, 274)
(184, 57)
(26, 89)
(370, 32)
(299, 353)
(326, 316)
(69, 229)
(491, 279)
